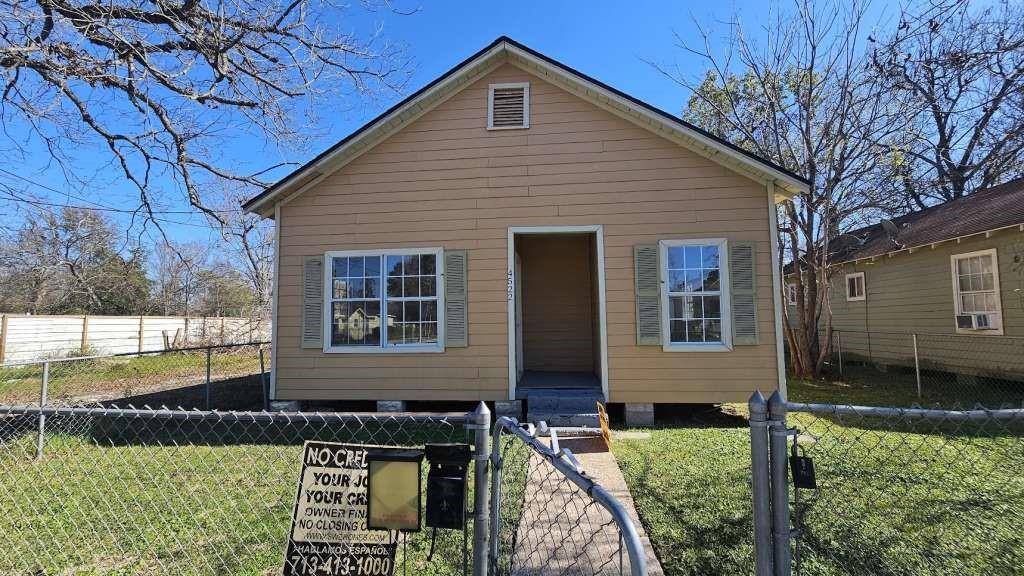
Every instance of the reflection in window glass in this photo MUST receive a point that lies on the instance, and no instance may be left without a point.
(694, 293)
(402, 286)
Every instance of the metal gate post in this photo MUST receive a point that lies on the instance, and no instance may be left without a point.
(779, 462)
(43, 391)
(761, 487)
(481, 510)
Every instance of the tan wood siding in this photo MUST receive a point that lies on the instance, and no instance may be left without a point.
(447, 181)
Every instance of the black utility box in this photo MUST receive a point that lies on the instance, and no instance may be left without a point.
(446, 485)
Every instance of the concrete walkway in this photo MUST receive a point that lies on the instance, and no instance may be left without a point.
(562, 531)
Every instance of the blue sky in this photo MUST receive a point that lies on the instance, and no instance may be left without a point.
(611, 41)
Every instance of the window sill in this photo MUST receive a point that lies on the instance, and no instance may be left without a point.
(969, 332)
(410, 349)
(856, 299)
(719, 347)
(508, 127)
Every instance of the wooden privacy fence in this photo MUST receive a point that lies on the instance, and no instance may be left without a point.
(24, 338)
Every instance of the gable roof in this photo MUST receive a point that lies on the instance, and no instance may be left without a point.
(986, 210)
(504, 50)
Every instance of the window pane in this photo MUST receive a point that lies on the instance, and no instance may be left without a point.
(371, 288)
(693, 259)
(987, 281)
(355, 266)
(962, 266)
(694, 281)
(675, 257)
(355, 288)
(396, 333)
(694, 307)
(428, 286)
(676, 281)
(713, 330)
(709, 256)
(428, 310)
(412, 333)
(986, 264)
(428, 264)
(411, 265)
(340, 289)
(676, 307)
(677, 331)
(395, 287)
(963, 283)
(394, 312)
(694, 331)
(355, 323)
(711, 283)
(394, 265)
(371, 266)
(428, 332)
(412, 312)
(339, 267)
(712, 306)
(412, 287)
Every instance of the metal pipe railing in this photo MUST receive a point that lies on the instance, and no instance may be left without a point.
(564, 461)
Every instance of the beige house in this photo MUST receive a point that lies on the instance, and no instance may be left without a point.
(517, 225)
(953, 274)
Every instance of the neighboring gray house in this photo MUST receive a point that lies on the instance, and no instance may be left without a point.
(952, 273)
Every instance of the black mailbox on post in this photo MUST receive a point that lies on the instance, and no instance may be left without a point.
(446, 485)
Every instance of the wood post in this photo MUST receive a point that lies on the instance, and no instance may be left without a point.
(84, 346)
(3, 337)
(141, 332)
(184, 341)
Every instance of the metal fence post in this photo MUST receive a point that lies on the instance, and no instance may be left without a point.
(779, 461)
(496, 471)
(761, 487)
(481, 511)
(207, 402)
(917, 367)
(263, 382)
(43, 390)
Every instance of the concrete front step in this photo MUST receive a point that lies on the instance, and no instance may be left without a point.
(563, 407)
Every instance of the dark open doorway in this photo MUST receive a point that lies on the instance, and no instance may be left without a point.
(557, 313)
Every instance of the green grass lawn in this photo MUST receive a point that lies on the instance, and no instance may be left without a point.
(98, 503)
(121, 376)
(934, 501)
(867, 386)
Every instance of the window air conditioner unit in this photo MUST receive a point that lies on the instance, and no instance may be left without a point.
(974, 322)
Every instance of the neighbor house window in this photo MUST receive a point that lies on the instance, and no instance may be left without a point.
(976, 290)
(384, 300)
(695, 307)
(855, 286)
(791, 294)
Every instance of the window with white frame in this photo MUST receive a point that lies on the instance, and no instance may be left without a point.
(791, 294)
(384, 300)
(855, 286)
(695, 307)
(976, 287)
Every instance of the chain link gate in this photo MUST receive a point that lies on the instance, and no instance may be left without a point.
(886, 490)
(549, 518)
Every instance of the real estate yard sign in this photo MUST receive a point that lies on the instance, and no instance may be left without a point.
(329, 536)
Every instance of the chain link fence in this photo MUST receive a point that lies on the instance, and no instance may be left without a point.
(228, 377)
(941, 370)
(549, 518)
(893, 490)
(121, 491)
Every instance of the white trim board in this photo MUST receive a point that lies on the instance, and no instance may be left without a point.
(773, 232)
(598, 231)
(274, 325)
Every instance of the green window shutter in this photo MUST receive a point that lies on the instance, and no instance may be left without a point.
(743, 285)
(648, 295)
(456, 305)
(313, 302)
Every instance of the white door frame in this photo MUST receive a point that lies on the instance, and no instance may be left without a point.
(598, 231)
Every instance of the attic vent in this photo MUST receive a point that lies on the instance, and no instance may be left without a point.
(508, 106)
